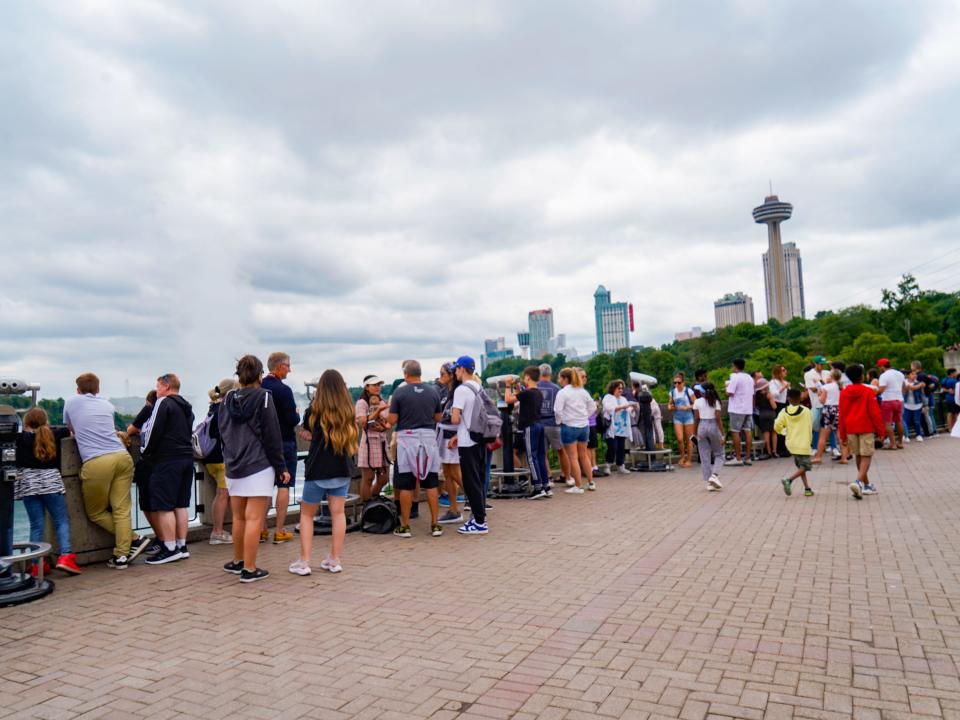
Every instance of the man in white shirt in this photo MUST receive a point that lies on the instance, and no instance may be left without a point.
(740, 388)
(473, 458)
(813, 379)
(891, 402)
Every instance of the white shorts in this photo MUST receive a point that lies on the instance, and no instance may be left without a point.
(260, 484)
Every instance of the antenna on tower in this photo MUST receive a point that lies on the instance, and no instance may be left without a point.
(771, 186)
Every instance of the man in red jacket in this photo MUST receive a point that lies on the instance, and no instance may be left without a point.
(859, 425)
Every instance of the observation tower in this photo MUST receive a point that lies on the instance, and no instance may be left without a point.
(772, 213)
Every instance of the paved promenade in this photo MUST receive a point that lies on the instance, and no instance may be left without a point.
(650, 598)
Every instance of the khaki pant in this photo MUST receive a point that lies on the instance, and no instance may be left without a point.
(105, 483)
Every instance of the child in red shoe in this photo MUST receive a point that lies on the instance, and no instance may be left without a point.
(40, 485)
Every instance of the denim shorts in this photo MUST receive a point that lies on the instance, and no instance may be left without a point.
(316, 491)
(570, 435)
(683, 417)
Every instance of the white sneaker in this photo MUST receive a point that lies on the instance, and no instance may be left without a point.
(591, 485)
(571, 482)
(331, 566)
(919, 438)
(906, 440)
(836, 452)
(300, 567)
(714, 483)
(223, 538)
(574, 490)
(621, 470)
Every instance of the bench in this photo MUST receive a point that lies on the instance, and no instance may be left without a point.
(652, 460)
(509, 484)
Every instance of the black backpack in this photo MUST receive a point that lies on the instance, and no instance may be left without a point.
(379, 516)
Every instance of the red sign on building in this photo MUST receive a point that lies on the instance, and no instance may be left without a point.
(630, 308)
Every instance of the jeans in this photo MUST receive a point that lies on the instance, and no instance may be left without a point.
(472, 465)
(536, 451)
(56, 505)
(616, 450)
(913, 419)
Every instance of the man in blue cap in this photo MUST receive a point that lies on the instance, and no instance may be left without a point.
(470, 447)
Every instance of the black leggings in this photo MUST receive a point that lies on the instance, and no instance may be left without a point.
(616, 450)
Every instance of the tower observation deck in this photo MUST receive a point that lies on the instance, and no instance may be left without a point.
(772, 213)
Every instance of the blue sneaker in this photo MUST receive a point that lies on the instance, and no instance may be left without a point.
(444, 500)
(856, 488)
(472, 527)
(870, 489)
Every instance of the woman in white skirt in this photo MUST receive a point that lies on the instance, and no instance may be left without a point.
(253, 460)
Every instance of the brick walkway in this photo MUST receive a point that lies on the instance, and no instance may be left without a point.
(650, 598)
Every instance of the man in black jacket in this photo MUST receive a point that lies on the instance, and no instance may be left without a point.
(278, 365)
(169, 449)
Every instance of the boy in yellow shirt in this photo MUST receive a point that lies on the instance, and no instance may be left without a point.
(796, 422)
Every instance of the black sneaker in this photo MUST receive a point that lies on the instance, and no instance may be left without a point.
(248, 576)
(118, 562)
(165, 556)
(136, 547)
(184, 553)
(153, 548)
(234, 566)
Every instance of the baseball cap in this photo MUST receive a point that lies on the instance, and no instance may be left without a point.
(466, 362)
(883, 362)
(372, 380)
(820, 360)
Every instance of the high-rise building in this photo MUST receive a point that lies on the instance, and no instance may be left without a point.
(494, 349)
(493, 344)
(793, 279)
(733, 309)
(690, 334)
(541, 330)
(772, 213)
(614, 322)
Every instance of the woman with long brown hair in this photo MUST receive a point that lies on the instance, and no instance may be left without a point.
(40, 485)
(334, 440)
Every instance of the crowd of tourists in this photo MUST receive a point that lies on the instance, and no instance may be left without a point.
(435, 438)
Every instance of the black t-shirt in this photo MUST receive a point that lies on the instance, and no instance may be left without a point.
(531, 401)
(415, 405)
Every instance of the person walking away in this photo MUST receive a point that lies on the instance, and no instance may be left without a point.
(829, 412)
(766, 416)
(415, 411)
(470, 446)
(530, 400)
(573, 408)
(616, 409)
(860, 424)
(107, 470)
(253, 460)
(168, 447)
(796, 422)
(40, 486)
(681, 403)
(890, 387)
(278, 367)
(709, 429)
(740, 389)
(913, 403)
(371, 417)
(334, 440)
(214, 464)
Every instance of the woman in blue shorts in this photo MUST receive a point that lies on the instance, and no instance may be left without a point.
(681, 403)
(334, 439)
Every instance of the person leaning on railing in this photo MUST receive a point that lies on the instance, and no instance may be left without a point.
(214, 464)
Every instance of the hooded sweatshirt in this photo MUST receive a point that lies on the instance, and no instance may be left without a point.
(170, 431)
(250, 433)
(796, 422)
(859, 412)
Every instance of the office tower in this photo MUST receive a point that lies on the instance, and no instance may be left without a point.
(541, 330)
(494, 349)
(793, 276)
(733, 309)
(772, 213)
(614, 322)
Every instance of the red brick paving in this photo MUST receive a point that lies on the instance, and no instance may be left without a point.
(651, 598)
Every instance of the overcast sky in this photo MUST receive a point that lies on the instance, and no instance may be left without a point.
(361, 182)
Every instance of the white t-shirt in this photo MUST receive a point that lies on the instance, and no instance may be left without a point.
(812, 381)
(463, 400)
(833, 394)
(892, 382)
(778, 389)
(574, 406)
(703, 407)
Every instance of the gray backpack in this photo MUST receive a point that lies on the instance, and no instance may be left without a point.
(485, 420)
